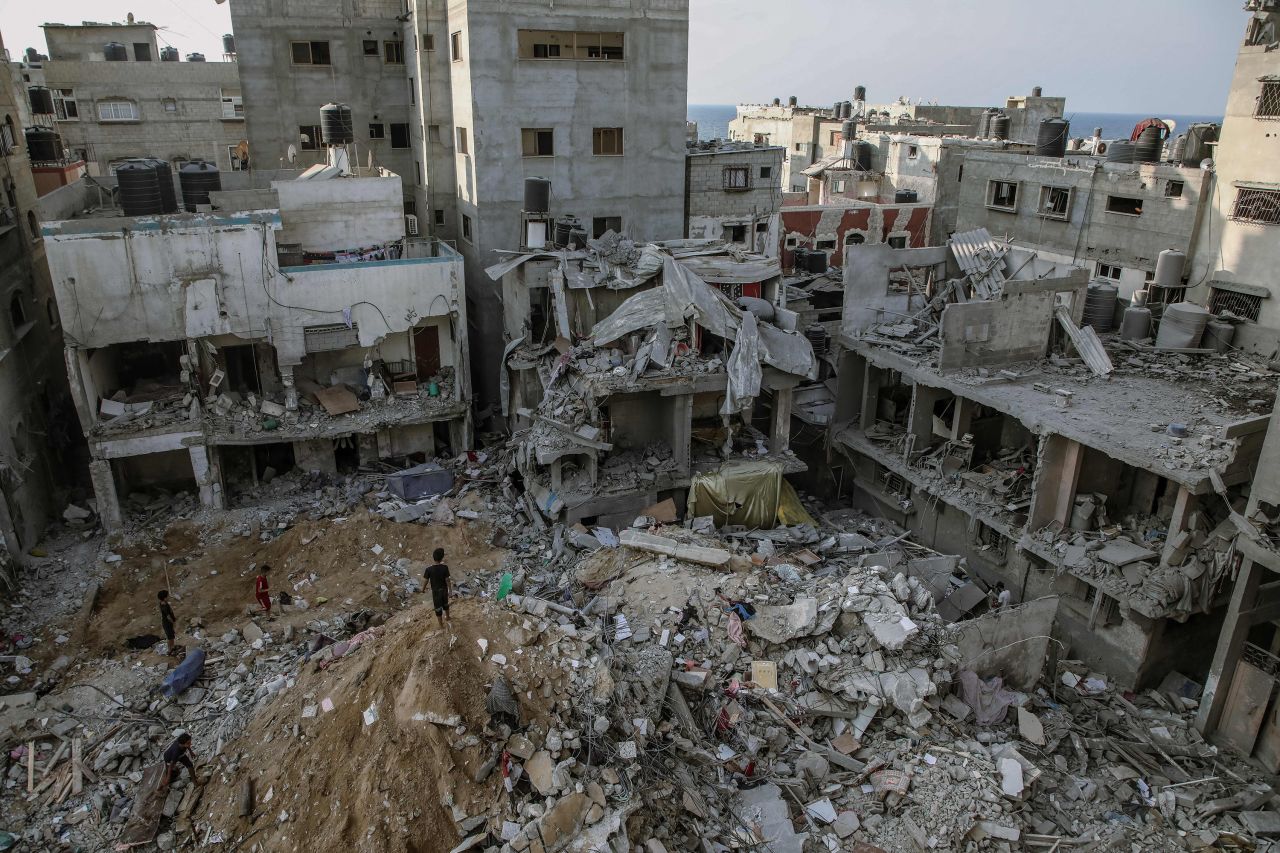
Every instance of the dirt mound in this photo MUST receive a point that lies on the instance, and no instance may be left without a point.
(213, 581)
(398, 784)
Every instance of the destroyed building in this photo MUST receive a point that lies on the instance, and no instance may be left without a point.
(733, 192)
(632, 368)
(973, 409)
(294, 325)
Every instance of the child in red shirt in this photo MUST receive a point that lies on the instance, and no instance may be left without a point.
(262, 590)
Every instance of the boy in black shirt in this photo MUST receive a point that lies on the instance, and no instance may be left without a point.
(179, 754)
(437, 574)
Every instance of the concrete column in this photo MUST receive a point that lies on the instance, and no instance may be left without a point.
(1183, 506)
(1057, 474)
(104, 489)
(1235, 630)
(849, 384)
(460, 433)
(920, 419)
(682, 431)
(290, 390)
(780, 420)
(208, 475)
(962, 417)
(870, 396)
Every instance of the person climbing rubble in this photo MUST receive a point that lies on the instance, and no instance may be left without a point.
(179, 754)
(437, 575)
(262, 589)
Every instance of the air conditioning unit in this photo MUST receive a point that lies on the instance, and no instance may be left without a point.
(411, 224)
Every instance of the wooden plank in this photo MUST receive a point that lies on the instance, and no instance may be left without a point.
(77, 772)
(1248, 426)
(1246, 705)
(1086, 342)
(31, 766)
(57, 756)
(1267, 751)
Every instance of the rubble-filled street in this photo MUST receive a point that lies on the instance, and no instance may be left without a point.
(667, 687)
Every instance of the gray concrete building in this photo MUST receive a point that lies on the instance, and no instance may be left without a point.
(1112, 218)
(137, 99)
(733, 192)
(38, 455)
(1238, 250)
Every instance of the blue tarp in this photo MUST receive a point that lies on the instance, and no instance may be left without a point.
(184, 674)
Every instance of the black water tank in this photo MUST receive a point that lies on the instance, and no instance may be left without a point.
(168, 195)
(229, 44)
(563, 228)
(792, 101)
(815, 261)
(537, 195)
(1199, 147)
(169, 53)
(195, 57)
(905, 197)
(1150, 145)
(1036, 91)
(198, 178)
(862, 153)
(41, 100)
(859, 93)
(999, 126)
(984, 122)
(139, 188)
(1051, 138)
(114, 51)
(43, 145)
(1120, 151)
(335, 125)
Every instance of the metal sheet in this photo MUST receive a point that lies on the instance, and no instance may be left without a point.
(1086, 343)
(1246, 704)
(981, 258)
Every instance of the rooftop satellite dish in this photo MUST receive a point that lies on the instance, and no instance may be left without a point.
(292, 153)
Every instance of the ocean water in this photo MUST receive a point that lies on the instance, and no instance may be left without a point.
(713, 121)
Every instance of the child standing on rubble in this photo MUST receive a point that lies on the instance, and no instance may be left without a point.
(262, 589)
(437, 574)
(167, 621)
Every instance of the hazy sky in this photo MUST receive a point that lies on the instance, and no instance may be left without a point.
(1146, 56)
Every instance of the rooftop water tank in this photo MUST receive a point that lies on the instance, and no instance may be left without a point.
(41, 100)
(335, 125)
(1200, 143)
(1181, 326)
(1120, 151)
(168, 53)
(1169, 264)
(999, 126)
(139, 188)
(195, 57)
(792, 101)
(229, 44)
(43, 145)
(114, 51)
(862, 154)
(1051, 138)
(984, 122)
(859, 93)
(905, 197)
(1036, 91)
(1150, 145)
(537, 195)
(198, 178)
(168, 196)
(1100, 306)
(1178, 149)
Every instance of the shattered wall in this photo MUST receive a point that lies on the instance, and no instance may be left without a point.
(1013, 642)
(808, 226)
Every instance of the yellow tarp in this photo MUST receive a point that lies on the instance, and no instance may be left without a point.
(752, 494)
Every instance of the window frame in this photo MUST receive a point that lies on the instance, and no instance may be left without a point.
(113, 104)
(913, 152)
(391, 134)
(993, 192)
(462, 145)
(61, 98)
(1104, 270)
(1109, 207)
(1249, 199)
(455, 46)
(392, 48)
(236, 102)
(438, 216)
(366, 44)
(570, 45)
(766, 173)
(428, 42)
(380, 133)
(1044, 212)
(311, 53)
(598, 136)
(736, 178)
(531, 139)
(466, 229)
(1246, 305)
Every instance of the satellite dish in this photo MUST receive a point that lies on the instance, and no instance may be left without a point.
(292, 153)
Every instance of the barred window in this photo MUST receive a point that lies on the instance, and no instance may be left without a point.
(1268, 100)
(737, 178)
(1244, 305)
(1255, 205)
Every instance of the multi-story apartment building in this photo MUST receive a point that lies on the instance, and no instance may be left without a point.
(116, 94)
(196, 369)
(1237, 251)
(733, 192)
(467, 99)
(36, 452)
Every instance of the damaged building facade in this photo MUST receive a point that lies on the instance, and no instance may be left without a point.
(289, 326)
(973, 409)
(635, 368)
(733, 192)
